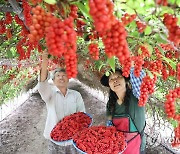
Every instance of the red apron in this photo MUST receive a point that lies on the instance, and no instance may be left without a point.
(133, 138)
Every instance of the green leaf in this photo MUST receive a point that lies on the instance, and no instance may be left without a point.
(107, 73)
(150, 74)
(148, 30)
(84, 9)
(174, 123)
(159, 39)
(111, 62)
(50, 1)
(170, 62)
(9, 53)
(101, 66)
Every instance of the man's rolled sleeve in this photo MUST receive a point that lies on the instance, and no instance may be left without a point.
(80, 103)
(44, 88)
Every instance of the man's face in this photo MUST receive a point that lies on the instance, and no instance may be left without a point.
(61, 79)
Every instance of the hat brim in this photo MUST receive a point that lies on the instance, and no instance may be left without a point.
(105, 80)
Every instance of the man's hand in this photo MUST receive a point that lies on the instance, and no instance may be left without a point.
(44, 65)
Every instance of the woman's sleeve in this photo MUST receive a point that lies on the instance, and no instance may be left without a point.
(136, 82)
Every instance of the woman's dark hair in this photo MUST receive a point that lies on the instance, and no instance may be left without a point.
(113, 98)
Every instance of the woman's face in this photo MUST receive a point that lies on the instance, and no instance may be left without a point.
(117, 82)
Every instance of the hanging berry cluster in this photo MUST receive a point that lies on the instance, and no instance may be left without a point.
(127, 18)
(174, 30)
(126, 66)
(115, 42)
(162, 2)
(141, 26)
(27, 12)
(80, 24)
(102, 14)
(170, 104)
(2, 27)
(145, 52)
(8, 19)
(94, 51)
(146, 88)
(138, 63)
(40, 22)
(176, 140)
(178, 71)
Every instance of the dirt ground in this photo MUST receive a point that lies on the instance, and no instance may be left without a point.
(22, 131)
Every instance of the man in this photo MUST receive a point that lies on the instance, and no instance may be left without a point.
(60, 102)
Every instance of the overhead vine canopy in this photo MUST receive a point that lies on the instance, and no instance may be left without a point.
(92, 37)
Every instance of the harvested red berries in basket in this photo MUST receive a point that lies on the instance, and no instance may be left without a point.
(70, 125)
(100, 139)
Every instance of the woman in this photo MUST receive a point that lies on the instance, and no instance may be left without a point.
(124, 113)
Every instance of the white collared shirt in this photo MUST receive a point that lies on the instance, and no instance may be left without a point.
(58, 106)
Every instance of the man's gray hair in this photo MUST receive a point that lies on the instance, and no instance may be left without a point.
(57, 70)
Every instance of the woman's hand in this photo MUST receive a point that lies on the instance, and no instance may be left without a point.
(109, 123)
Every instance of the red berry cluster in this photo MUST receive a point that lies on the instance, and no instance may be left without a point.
(94, 51)
(24, 31)
(2, 27)
(167, 47)
(9, 33)
(138, 63)
(61, 40)
(87, 64)
(100, 139)
(61, 37)
(147, 87)
(115, 42)
(126, 66)
(94, 35)
(178, 71)
(156, 66)
(71, 65)
(141, 27)
(127, 18)
(162, 2)
(80, 25)
(73, 12)
(176, 140)
(158, 53)
(174, 30)
(8, 19)
(40, 20)
(20, 49)
(146, 64)
(165, 73)
(145, 53)
(18, 21)
(70, 125)
(27, 12)
(169, 104)
(102, 14)
(172, 72)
